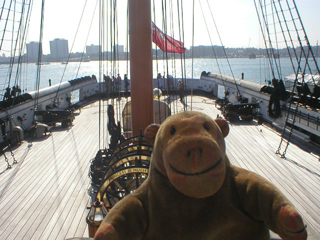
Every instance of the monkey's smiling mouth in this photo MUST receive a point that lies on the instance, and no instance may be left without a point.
(196, 173)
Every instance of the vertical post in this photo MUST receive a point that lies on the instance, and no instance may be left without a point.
(215, 90)
(140, 64)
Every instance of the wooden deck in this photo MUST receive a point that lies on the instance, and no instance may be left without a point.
(45, 195)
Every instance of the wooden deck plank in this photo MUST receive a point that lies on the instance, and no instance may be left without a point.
(28, 203)
(267, 166)
(62, 202)
(34, 205)
(14, 179)
(63, 165)
(284, 179)
(76, 218)
(62, 205)
(67, 203)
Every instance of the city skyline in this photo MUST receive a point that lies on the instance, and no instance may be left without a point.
(93, 52)
(238, 25)
(92, 48)
(59, 49)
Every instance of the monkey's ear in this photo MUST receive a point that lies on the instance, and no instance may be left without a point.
(223, 125)
(150, 132)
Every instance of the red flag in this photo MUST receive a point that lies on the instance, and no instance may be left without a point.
(165, 42)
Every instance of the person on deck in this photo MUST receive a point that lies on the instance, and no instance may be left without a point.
(118, 83)
(181, 89)
(7, 94)
(126, 83)
(108, 82)
(159, 81)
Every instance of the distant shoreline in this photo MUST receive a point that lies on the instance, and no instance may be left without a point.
(195, 52)
(94, 60)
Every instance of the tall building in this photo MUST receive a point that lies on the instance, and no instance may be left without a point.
(59, 48)
(93, 49)
(118, 48)
(33, 50)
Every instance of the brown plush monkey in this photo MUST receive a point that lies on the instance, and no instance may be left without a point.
(193, 192)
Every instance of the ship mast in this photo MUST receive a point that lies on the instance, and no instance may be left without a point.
(140, 64)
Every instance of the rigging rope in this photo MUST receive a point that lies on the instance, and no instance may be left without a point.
(279, 15)
(169, 61)
(89, 30)
(159, 77)
(224, 50)
(276, 43)
(288, 33)
(74, 39)
(265, 23)
(101, 34)
(192, 62)
(306, 38)
(182, 59)
(6, 22)
(22, 40)
(18, 39)
(110, 67)
(39, 59)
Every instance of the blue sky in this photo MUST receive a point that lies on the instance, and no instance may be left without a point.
(236, 22)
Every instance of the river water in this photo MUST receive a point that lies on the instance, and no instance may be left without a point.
(255, 70)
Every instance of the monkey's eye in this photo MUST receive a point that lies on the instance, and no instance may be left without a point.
(206, 126)
(172, 130)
